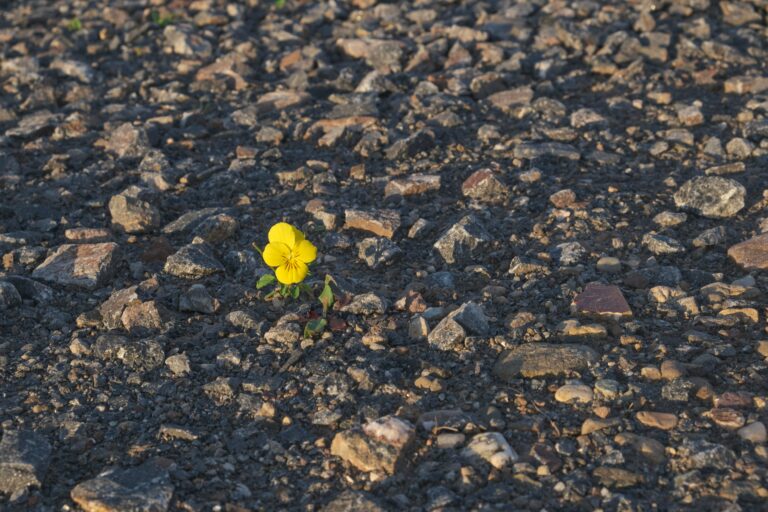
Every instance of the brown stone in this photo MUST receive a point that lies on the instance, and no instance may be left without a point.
(660, 420)
(142, 315)
(739, 399)
(751, 254)
(563, 198)
(726, 417)
(602, 300)
(226, 66)
(594, 424)
(505, 100)
(86, 266)
(380, 222)
(645, 446)
(87, 234)
(415, 184)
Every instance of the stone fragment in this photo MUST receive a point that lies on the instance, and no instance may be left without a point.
(380, 222)
(127, 141)
(564, 198)
(143, 316)
(725, 417)
(286, 333)
(24, 459)
(611, 476)
(701, 454)
(131, 213)
(491, 447)
(197, 300)
(376, 251)
(660, 420)
(754, 432)
(178, 364)
(87, 266)
(472, 318)
(483, 185)
(409, 147)
(645, 446)
(569, 253)
(447, 335)
(354, 501)
(193, 261)
(9, 296)
(31, 289)
(217, 228)
(413, 185)
(669, 219)
(380, 445)
(183, 40)
(144, 488)
(143, 355)
(602, 301)
(91, 235)
(578, 393)
(591, 425)
(711, 196)
(462, 240)
(710, 237)
(507, 100)
(751, 254)
(366, 304)
(573, 330)
(746, 85)
(662, 244)
(609, 264)
(540, 359)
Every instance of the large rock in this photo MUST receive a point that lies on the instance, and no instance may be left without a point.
(24, 458)
(711, 196)
(751, 254)
(193, 261)
(380, 445)
(463, 238)
(540, 359)
(86, 266)
(145, 488)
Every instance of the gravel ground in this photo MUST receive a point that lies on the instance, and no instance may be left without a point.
(546, 222)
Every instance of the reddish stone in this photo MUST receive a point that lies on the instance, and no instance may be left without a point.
(483, 185)
(603, 300)
(751, 254)
(86, 266)
(380, 222)
(412, 185)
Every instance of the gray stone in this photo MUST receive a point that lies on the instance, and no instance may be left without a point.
(540, 359)
(472, 318)
(244, 320)
(143, 355)
(133, 214)
(354, 501)
(9, 296)
(193, 261)
(24, 458)
(661, 244)
(377, 251)
(447, 335)
(128, 141)
(463, 238)
(189, 221)
(366, 304)
(198, 300)
(710, 237)
(144, 488)
(31, 289)
(112, 308)
(711, 196)
(569, 253)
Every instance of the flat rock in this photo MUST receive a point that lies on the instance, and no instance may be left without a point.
(413, 185)
(380, 222)
(751, 254)
(660, 420)
(87, 266)
(24, 459)
(540, 359)
(193, 261)
(602, 300)
(132, 214)
(144, 488)
(377, 251)
(354, 501)
(711, 196)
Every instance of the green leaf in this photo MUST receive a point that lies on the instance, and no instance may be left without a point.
(314, 327)
(279, 4)
(295, 292)
(326, 298)
(74, 25)
(265, 280)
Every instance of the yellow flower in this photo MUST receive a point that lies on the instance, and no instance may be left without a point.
(288, 253)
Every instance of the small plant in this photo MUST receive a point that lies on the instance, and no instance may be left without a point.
(289, 254)
(74, 25)
(162, 19)
(279, 4)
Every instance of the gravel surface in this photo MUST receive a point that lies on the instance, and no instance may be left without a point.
(547, 222)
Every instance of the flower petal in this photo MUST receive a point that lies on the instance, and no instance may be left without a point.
(291, 272)
(276, 253)
(305, 251)
(284, 233)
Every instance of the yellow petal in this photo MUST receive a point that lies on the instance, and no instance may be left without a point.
(276, 253)
(291, 272)
(305, 251)
(284, 233)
